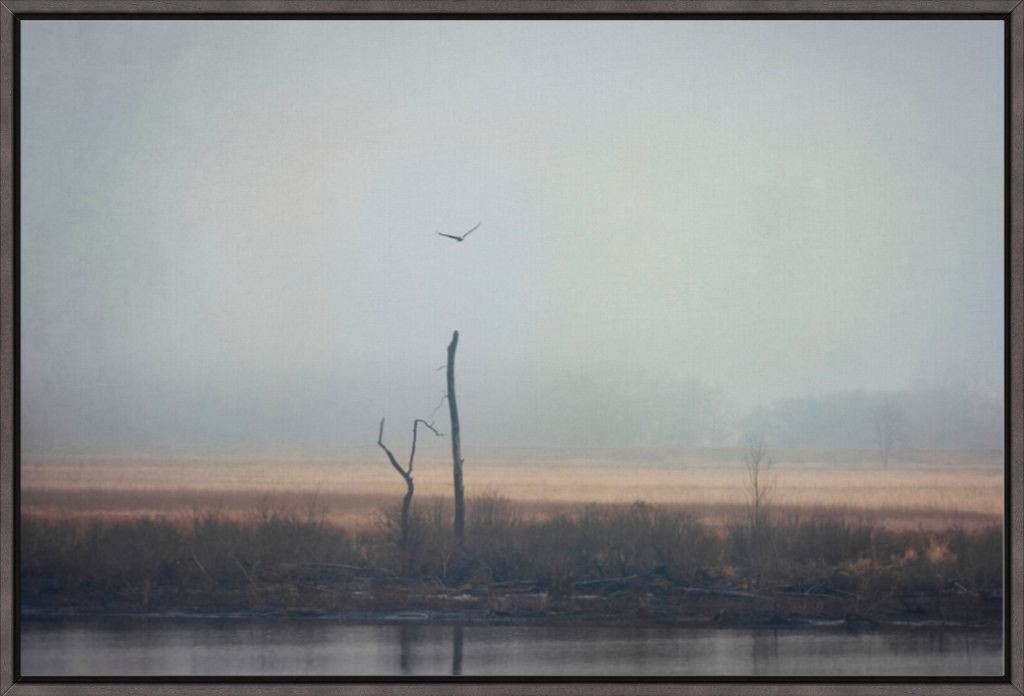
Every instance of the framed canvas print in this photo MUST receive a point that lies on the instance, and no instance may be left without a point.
(494, 347)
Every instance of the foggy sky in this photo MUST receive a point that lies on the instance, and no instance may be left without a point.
(227, 228)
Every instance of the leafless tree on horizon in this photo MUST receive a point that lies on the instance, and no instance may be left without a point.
(890, 429)
(760, 482)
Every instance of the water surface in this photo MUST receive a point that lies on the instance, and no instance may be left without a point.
(147, 646)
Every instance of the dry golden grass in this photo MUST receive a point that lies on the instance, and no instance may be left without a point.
(933, 491)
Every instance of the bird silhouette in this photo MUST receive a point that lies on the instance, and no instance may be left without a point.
(464, 234)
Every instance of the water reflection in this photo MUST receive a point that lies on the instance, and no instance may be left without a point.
(405, 642)
(456, 650)
(211, 647)
(411, 638)
(764, 651)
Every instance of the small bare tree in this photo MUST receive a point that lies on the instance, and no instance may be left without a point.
(890, 429)
(760, 482)
(405, 473)
(759, 485)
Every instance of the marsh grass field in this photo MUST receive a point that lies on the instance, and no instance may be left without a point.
(566, 536)
(924, 491)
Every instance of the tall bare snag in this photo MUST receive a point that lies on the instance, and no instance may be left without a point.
(453, 412)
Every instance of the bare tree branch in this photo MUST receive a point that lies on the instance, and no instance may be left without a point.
(391, 457)
(439, 404)
(415, 425)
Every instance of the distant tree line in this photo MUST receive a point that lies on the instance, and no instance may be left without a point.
(892, 422)
(619, 410)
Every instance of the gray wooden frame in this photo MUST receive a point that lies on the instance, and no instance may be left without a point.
(1011, 12)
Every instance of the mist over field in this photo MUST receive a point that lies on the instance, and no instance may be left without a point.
(690, 231)
(729, 367)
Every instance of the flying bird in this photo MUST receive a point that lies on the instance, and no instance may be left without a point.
(464, 235)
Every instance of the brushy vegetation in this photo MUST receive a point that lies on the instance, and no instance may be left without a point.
(294, 561)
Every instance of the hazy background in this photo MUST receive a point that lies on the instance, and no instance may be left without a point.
(690, 229)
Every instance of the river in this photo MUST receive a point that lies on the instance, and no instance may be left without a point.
(194, 646)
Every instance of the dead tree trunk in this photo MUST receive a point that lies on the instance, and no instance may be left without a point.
(453, 412)
(405, 473)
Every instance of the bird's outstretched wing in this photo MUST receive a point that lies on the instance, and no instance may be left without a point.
(450, 236)
(466, 234)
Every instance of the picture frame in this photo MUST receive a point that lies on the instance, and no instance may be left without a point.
(1010, 12)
